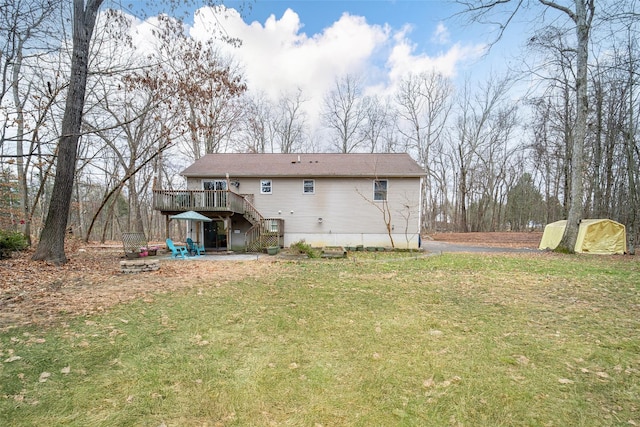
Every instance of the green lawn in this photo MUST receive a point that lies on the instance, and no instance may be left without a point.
(384, 340)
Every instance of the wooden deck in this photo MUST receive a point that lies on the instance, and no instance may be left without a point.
(171, 202)
(263, 233)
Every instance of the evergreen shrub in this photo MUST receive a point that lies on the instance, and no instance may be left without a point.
(11, 241)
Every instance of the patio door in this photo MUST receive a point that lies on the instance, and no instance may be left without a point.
(215, 236)
(219, 198)
(216, 184)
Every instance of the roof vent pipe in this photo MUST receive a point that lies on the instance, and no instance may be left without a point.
(298, 158)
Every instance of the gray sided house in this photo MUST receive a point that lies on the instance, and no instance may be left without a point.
(261, 200)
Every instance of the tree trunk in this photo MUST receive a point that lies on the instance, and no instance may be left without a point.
(582, 20)
(51, 246)
(598, 201)
(632, 172)
(20, 163)
(463, 226)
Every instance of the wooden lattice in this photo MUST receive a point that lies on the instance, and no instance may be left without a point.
(270, 239)
(132, 242)
(270, 232)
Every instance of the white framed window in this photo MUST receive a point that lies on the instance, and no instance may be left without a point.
(380, 187)
(309, 186)
(266, 186)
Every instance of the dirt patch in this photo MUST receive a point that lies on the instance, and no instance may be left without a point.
(502, 239)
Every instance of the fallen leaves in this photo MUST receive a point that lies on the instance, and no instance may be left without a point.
(492, 239)
(38, 293)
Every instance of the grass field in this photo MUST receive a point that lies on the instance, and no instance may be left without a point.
(382, 340)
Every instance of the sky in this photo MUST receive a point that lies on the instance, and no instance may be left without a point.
(308, 44)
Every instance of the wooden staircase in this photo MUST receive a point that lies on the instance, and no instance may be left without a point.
(264, 232)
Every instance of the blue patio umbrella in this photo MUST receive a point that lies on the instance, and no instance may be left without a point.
(191, 215)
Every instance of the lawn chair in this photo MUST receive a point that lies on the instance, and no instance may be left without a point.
(177, 251)
(193, 248)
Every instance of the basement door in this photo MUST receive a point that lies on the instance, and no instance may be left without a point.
(215, 236)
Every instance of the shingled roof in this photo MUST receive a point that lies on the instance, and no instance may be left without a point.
(307, 165)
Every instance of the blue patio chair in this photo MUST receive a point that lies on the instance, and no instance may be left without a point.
(193, 248)
(177, 250)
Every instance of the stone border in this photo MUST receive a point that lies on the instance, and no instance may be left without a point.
(139, 265)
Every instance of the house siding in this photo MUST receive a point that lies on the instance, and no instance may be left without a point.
(349, 215)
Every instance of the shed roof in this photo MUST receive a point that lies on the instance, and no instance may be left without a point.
(309, 165)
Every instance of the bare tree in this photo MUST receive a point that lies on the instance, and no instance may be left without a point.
(626, 63)
(378, 122)
(84, 15)
(200, 85)
(424, 103)
(135, 136)
(382, 205)
(289, 123)
(345, 113)
(549, 154)
(214, 116)
(607, 191)
(480, 145)
(22, 23)
(555, 112)
(633, 156)
(257, 134)
(51, 246)
(581, 15)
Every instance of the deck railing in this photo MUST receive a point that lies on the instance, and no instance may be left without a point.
(198, 200)
(251, 213)
(264, 232)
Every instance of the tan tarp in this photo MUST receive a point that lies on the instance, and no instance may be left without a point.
(595, 236)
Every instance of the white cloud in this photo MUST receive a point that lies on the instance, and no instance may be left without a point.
(278, 57)
(403, 59)
(441, 35)
(142, 34)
